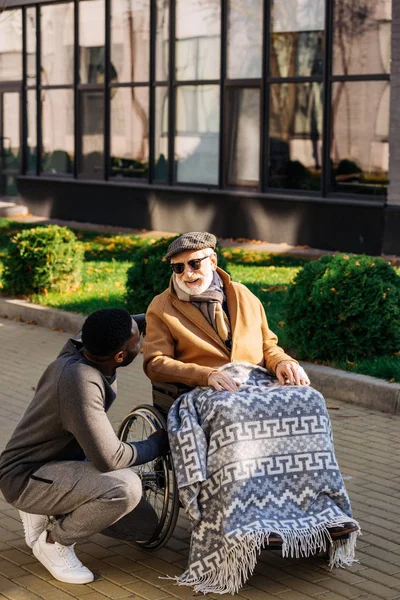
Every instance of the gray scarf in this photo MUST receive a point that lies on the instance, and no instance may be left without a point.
(209, 304)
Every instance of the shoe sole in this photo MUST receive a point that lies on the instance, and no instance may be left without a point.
(42, 560)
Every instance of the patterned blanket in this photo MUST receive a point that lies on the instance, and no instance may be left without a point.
(252, 463)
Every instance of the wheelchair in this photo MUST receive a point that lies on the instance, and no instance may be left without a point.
(158, 477)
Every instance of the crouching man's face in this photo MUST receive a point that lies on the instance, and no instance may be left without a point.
(130, 349)
(197, 267)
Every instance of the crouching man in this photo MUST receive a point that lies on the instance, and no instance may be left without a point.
(64, 458)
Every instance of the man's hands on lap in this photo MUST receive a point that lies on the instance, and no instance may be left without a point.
(290, 373)
(222, 382)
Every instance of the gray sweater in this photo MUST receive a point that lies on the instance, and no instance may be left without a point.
(66, 420)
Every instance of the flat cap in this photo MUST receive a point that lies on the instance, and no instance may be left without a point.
(194, 240)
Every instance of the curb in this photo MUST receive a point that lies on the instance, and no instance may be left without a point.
(353, 388)
(53, 318)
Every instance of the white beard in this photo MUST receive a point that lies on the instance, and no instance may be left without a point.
(197, 289)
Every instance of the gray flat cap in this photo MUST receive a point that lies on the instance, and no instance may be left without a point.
(194, 240)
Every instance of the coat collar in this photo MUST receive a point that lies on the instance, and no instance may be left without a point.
(194, 315)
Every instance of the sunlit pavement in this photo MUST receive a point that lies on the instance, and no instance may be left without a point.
(368, 449)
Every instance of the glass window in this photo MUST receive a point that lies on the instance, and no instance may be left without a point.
(130, 132)
(245, 25)
(243, 131)
(91, 41)
(57, 131)
(57, 44)
(197, 134)
(198, 40)
(162, 40)
(130, 40)
(92, 132)
(31, 46)
(31, 139)
(11, 45)
(360, 136)
(295, 144)
(161, 134)
(10, 111)
(297, 40)
(362, 35)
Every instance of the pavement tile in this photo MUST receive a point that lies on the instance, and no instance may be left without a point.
(383, 578)
(41, 588)
(380, 565)
(379, 590)
(343, 589)
(108, 589)
(113, 574)
(10, 570)
(123, 563)
(145, 590)
(96, 550)
(19, 593)
(254, 594)
(161, 566)
(95, 596)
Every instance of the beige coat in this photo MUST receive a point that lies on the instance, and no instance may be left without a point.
(181, 346)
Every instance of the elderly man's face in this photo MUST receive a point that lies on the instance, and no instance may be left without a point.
(191, 281)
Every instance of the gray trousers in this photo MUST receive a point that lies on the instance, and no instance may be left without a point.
(86, 501)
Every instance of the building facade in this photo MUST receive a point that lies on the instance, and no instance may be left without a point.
(267, 119)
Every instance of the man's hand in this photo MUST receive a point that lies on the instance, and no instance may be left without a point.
(221, 381)
(290, 373)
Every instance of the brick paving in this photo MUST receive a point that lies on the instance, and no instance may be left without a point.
(368, 449)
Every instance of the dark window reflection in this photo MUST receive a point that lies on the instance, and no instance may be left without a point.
(57, 131)
(297, 40)
(362, 36)
(360, 136)
(295, 144)
(243, 131)
(92, 138)
(130, 132)
(161, 135)
(91, 41)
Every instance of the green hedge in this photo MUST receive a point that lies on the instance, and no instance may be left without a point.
(150, 275)
(344, 308)
(42, 259)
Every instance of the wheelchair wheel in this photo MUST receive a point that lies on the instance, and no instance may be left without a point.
(158, 478)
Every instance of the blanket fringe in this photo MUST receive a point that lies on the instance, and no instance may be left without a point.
(241, 560)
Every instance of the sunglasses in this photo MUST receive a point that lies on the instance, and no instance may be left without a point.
(194, 264)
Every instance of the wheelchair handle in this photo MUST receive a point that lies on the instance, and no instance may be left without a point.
(140, 320)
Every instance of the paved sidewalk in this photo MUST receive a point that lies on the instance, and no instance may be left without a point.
(367, 447)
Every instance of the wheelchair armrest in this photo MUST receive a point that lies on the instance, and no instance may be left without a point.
(172, 389)
(165, 394)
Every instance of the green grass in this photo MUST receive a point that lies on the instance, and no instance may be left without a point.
(108, 257)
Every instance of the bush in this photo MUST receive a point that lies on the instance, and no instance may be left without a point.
(150, 275)
(344, 308)
(43, 259)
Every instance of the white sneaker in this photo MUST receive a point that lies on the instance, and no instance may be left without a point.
(61, 561)
(33, 526)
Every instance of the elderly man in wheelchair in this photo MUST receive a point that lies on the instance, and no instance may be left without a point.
(252, 459)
